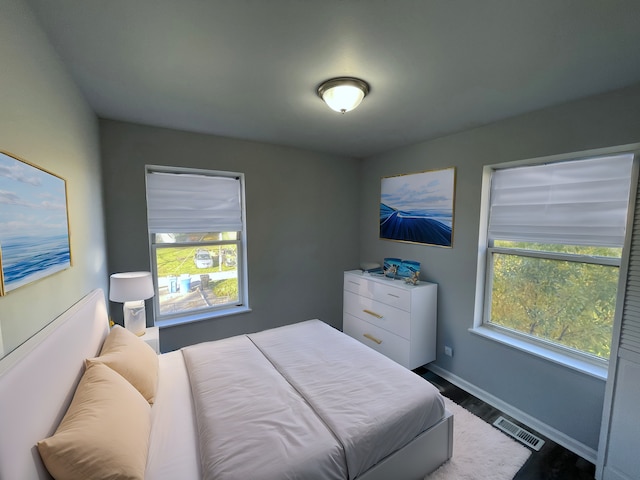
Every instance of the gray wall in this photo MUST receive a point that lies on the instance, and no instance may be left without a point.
(46, 121)
(563, 399)
(302, 227)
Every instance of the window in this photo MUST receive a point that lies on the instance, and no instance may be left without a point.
(553, 239)
(197, 242)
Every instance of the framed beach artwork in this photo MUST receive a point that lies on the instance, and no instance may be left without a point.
(418, 207)
(34, 223)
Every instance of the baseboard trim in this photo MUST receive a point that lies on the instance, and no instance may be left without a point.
(551, 433)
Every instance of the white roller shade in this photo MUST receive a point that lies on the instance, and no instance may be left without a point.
(582, 202)
(183, 203)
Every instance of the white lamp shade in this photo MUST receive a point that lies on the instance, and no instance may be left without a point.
(130, 286)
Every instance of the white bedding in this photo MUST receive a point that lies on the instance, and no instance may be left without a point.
(251, 422)
(173, 443)
(374, 412)
(293, 408)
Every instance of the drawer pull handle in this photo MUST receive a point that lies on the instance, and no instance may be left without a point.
(355, 283)
(392, 295)
(377, 315)
(372, 338)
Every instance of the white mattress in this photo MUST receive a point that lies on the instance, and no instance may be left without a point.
(173, 446)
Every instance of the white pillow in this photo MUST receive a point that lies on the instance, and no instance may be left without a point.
(131, 357)
(105, 432)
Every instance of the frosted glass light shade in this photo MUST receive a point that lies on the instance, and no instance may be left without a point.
(344, 93)
(343, 98)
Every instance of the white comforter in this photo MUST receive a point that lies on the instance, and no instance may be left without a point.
(302, 401)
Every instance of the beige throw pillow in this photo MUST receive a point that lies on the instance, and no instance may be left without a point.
(104, 433)
(131, 357)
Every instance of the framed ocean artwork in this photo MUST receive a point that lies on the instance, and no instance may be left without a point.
(418, 207)
(34, 223)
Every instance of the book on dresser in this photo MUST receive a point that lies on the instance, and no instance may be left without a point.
(391, 316)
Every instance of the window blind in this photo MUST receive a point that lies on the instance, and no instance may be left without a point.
(183, 203)
(581, 202)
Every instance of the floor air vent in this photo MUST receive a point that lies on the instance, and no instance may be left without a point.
(520, 434)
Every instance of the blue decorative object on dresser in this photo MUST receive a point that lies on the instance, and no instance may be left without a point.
(391, 267)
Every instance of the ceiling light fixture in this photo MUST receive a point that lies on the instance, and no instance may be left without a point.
(343, 93)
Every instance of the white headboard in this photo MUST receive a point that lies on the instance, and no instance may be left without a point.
(37, 382)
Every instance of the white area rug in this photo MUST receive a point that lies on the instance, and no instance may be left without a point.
(480, 451)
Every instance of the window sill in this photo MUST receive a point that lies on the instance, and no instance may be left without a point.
(573, 362)
(197, 317)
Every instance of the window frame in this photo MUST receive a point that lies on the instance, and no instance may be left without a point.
(565, 356)
(242, 305)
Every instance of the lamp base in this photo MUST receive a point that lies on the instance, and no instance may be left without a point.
(135, 318)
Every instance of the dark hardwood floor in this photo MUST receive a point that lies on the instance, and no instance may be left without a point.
(552, 462)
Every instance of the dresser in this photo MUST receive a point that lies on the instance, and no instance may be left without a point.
(392, 317)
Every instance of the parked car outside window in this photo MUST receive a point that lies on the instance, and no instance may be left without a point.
(203, 259)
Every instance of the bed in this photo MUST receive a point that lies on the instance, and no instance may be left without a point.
(302, 401)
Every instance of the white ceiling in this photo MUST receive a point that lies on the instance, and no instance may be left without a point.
(249, 68)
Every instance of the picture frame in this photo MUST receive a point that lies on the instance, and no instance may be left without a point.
(34, 223)
(418, 207)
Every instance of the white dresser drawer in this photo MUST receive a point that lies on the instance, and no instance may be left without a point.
(380, 314)
(401, 317)
(390, 345)
(379, 289)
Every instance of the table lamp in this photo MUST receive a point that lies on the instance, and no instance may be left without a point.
(132, 288)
